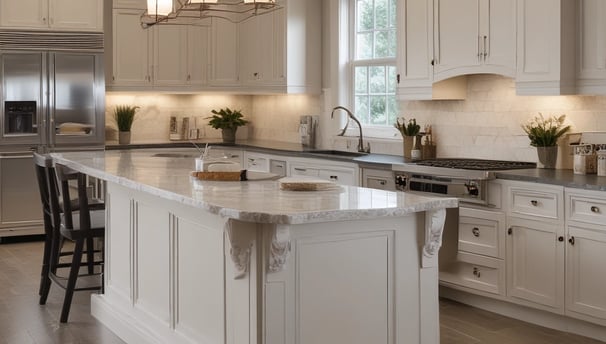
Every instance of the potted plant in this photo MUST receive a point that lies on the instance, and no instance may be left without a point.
(409, 131)
(124, 115)
(228, 121)
(544, 134)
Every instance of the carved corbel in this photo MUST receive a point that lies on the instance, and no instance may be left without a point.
(241, 238)
(434, 227)
(279, 249)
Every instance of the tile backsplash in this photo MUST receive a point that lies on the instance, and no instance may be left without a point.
(485, 125)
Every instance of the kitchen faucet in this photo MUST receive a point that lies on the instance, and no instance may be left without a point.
(361, 147)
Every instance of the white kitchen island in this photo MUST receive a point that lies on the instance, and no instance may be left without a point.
(245, 262)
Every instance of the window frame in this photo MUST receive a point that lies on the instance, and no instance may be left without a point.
(373, 130)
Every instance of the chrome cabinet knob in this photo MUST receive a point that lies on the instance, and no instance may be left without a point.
(476, 232)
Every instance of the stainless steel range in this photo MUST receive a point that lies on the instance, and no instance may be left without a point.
(465, 179)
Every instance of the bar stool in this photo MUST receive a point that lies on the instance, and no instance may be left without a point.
(62, 222)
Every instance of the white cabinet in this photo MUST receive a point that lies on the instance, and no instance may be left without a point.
(82, 15)
(585, 255)
(535, 245)
(256, 162)
(258, 37)
(415, 57)
(474, 36)
(224, 53)
(159, 56)
(591, 58)
(546, 47)
(340, 173)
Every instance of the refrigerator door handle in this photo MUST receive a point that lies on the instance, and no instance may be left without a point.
(16, 155)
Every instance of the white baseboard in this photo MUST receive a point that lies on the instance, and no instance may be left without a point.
(530, 315)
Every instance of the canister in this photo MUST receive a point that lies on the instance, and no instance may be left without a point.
(585, 159)
(601, 153)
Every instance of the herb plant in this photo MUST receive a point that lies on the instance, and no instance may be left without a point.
(410, 129)
(124, 115)
(226, 119)
(545, 132)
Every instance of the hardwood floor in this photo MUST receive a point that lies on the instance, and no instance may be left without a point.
(23, 321)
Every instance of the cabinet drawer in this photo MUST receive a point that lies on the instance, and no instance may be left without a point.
(260, 164)
(476, 272)
(339, 177)
(481, 235)
(586, 209)
(304, 171)
(535, 203)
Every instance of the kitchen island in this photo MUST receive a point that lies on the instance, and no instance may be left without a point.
(191, 261)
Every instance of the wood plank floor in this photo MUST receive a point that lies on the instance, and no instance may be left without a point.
(23, 321)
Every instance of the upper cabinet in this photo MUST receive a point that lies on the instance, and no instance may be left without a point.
(81, 15)
(546, 47)
(474, 36)
(591, 58)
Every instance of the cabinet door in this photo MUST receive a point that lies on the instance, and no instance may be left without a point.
(457, 37)
(83, 15)
(592, 49)
(19, 195)
(498, 20)
(535, 263)
(415, 54)
(131, 50)
(169, 65)
(256, 41)
(24, 13)
(224, 49)
(586, 271)
(197, 54)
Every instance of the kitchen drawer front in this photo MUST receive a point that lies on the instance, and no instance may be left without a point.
(303, 171)
(545, 204)
(260, 164)
(482, 232)
(476, 272)
(342, 177)
(587, 209)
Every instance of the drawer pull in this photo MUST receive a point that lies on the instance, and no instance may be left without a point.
(571, 240)
(476, 232)
(534, 203)
(334, 178)
(560, 238)
(509, 231)
(382, 182)
(595, 209)
(476, 272)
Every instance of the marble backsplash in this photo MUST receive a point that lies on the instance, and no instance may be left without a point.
(485, 125)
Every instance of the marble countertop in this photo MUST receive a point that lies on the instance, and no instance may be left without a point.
(253, 201)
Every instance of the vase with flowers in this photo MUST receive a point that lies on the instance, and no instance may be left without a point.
(410, 131)
(544, 134)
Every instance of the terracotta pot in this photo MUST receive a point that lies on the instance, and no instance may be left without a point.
(124, 137)
(229, 135)
(548, 156)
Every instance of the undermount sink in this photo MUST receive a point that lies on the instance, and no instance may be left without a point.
(344, 154)
(175, 155)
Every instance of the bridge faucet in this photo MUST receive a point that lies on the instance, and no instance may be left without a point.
(361, 147)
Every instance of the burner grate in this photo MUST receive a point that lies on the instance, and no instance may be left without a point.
(477, 164)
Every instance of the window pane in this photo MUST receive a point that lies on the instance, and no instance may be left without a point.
(377, 80)
(364, 45)
(382, 48)
(392, 13)
(381, 14)
(392, 109)
(391, 44)
(391, 79)
(361, 81)
(365, 15)
(361, 108)
(378, 110)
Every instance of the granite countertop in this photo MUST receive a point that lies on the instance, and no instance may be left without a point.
(556, 177)
(169, 178)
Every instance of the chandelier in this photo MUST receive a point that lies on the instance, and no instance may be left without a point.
(192, 12)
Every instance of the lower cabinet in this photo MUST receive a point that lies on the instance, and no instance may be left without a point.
(340, 173)
(378, 179)
(585, 255)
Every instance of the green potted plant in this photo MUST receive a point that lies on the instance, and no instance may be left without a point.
(409, 131)
(228, 121)
(124, 115)
(544, 134)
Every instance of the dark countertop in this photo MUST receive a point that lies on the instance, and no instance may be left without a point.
(379, 161)
(556, 177)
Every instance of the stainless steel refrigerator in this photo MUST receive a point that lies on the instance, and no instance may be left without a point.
(49, 101)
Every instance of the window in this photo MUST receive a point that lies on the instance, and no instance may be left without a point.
(374, 61)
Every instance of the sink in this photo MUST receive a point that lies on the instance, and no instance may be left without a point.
(344, 154)
(175, 155)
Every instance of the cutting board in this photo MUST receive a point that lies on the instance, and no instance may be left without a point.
(306, 184)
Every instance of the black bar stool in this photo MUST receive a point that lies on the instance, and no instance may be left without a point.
(67, 220)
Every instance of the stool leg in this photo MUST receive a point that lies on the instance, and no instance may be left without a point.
(44, 280)
(90, 255)
(53, 259)
(71, 282)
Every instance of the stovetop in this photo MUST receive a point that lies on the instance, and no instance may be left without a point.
(462, 168)
(477, 164)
